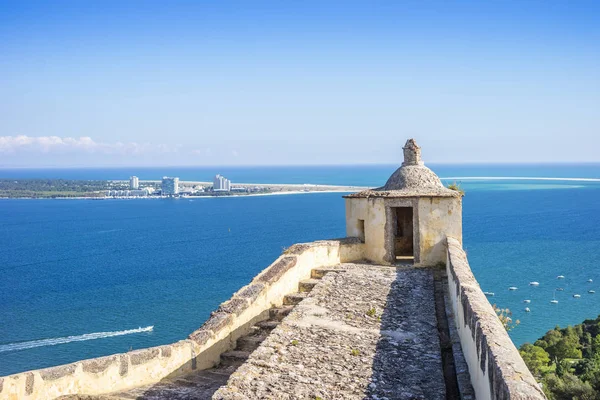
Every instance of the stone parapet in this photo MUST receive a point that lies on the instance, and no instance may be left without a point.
(497, 370)
(202, 349)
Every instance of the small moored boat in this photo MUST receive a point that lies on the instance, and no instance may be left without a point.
(534, 283)
(527, 309)
(527, 301)
(591, 291)
(577, 296)
(560, 277)
(513, 288)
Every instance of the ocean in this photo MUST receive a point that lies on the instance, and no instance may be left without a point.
(87, 278)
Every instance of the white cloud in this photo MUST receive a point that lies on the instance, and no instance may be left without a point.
(85, 144)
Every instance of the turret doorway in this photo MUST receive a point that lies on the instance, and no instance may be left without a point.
(403, 234)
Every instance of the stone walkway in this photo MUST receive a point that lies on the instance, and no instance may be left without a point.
(365, 332)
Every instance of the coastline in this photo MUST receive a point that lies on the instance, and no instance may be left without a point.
(290, 192)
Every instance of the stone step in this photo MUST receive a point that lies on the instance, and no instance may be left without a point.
(250, 342)
(234, 357)
(267, 325)
(307, 285)
(279, 313)
(319, 273)
(293, 299)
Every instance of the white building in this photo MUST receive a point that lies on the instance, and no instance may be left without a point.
(128, 193)
(220, 183)
(170, 186)
(134, 182)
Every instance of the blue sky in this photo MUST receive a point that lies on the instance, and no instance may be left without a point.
(85, 83)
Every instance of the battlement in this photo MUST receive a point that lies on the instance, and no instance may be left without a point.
(490, 369)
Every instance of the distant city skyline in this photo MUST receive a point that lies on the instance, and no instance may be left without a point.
(145, 83)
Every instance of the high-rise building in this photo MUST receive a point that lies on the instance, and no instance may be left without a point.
(170, 186)
(220, 183)
(134, 182)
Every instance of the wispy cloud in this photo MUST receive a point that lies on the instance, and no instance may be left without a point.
(56, 144)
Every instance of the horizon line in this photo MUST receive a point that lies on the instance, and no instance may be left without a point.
(467, 163)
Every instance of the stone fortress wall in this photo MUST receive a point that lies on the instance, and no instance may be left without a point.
(495, 366)
(202, 349)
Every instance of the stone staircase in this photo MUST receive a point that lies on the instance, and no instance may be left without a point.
(258, 333)
(201, 385)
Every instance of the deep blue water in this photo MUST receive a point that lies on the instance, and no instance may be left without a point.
(75, 267)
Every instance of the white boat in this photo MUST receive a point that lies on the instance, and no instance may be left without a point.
(554, 301)
(527, 301)
(577, 296)
(527, 309)
(590, 281)
(591, 291)
(560, 277)
(560, 289)
(534, 283)
(513, 288)
(489, 293)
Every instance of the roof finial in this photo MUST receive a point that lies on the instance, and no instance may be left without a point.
(412, 153)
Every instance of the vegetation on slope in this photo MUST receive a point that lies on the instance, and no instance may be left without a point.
(567, 361)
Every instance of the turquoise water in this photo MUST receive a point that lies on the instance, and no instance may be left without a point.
(81, 277)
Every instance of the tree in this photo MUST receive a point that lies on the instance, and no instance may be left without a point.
(567, 347)
(569, 387)
(535, 358)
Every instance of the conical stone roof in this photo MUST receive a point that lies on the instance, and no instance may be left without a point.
(412, 179)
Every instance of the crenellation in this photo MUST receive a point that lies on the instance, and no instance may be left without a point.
(29, 382)
(251, 292)
(165, 351)
(217, 321)
(142, 356)
(51, 374)
(123, 364)
(276, 270)
(235, 305)
(201, 336)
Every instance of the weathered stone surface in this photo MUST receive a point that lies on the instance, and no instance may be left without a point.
(141, 356)
(412, 179)
(29, 381)
(251, 292)
(124, 364)
(53, 373)
(298, 248)
(369, 332)
(201, 336)
(1, 384)
(507, 374)
(235, 306)
(217, 321)
(276, 270)
(96, 365)
(165, 351)
(413, 192)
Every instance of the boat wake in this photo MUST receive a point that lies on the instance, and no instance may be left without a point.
(68, 339)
